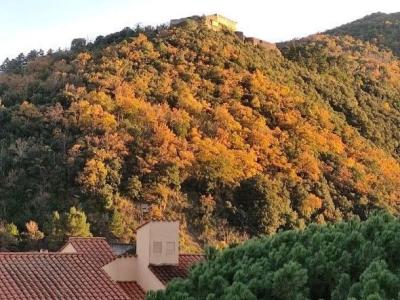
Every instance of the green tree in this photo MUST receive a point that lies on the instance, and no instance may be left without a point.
(117, 225)
(78, 44)
(55, 231)
(9, 237)
(76, 223)
(261, 205)
(348, 260)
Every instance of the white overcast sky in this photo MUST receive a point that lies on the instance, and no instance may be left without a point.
(35, 24)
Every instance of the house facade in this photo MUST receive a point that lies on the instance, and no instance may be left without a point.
(88, 268)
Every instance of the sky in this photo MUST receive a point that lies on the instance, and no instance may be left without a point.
(44, 24)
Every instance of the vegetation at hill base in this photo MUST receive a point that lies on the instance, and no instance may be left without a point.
(346, 260)
(185, 123)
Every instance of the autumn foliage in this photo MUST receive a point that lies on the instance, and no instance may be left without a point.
(190, 124)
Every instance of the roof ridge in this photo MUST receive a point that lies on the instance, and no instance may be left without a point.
(40, 253)
(87, 238)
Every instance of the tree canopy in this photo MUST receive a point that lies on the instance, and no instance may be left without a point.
(347, 260)
(378, 28)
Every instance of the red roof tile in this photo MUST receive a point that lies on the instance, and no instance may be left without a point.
(167, 273)
(96, 249)
(133, 290)
(54, 276)
(33, 275)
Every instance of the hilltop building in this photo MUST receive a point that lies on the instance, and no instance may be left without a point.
(214, 22)
(218, 22)
(88, 268)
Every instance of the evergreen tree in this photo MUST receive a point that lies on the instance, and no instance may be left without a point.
(348, 260)
(76, 224)
(55, 231)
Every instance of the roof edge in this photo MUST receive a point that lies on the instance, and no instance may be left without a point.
(87, 238)
(39, 253)
(151, 221)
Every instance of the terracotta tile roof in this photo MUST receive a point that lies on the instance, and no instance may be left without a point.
(96, 249)
(133, 290)
(54, 276)
(167, 273)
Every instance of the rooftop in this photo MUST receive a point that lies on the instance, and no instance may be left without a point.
(54, 276)
(166, 273)
(79, 271)
(96, 249)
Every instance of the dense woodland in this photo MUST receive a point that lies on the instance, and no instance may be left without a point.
(186, 123)
(379, 28)
(353, 260)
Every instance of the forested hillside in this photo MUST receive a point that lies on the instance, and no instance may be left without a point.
(191, 124)
(380, 29)
(357, 80)
(354, 260)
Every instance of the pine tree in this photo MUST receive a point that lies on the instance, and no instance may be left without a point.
(117, 225)
(55, 231)
(76, 223)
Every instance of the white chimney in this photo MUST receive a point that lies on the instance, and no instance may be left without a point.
(157, 243)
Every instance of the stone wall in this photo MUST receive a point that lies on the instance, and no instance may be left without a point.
(215, 22)
(218, 22)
